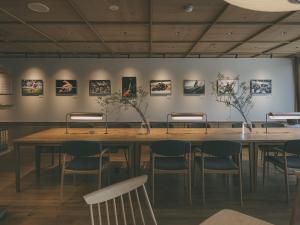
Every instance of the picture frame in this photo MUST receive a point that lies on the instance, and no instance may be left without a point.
(224, 86)
(193, 87)
(160, 87)
(261, 87)
(99, 87)
(32, 87)
(66, 87)
(129, 88)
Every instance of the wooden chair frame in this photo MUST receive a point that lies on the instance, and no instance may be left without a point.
(120, 190)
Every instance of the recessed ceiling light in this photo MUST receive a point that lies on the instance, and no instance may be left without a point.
(38, 7)
(229, 33)
(188, 8)
(114, 8)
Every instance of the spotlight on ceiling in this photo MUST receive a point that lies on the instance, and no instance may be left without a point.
(114, 8)
(267, 5)
(188, 8)
(38, 7)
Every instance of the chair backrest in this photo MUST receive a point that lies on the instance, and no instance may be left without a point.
(240, 124)
(107, 198)
(160, 125)
(119, 125)
(81, 148)
(171, 147)
(221, 148)
(80, 125)
(198, 125)
(272, 124)
(292, 147)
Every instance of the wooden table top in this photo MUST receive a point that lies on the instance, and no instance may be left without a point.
(58, 135)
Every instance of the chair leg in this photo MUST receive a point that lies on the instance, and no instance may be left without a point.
(37, 163)
(203, 187)
(286, 184)
(152, 179)
(190, 187)
(264, 167)
(62, 176)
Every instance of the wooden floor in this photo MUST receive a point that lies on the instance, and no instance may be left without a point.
(40, 204)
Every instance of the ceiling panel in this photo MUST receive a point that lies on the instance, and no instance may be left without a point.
(253, 47)
(19, 32)
(290, 48)
(59, 10)
(85, 47)
(129, 47)
(279, 33)
(231, 33)
(176, 32)
(70, 32)
(237, 14)
(170, 10)
(170, 47)
(123, 32)
(212, 47)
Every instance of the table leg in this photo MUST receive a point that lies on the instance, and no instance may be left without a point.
(17, 167)
(137, 159)
(37, 163)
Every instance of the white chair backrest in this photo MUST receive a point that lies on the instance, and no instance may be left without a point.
(111, 194)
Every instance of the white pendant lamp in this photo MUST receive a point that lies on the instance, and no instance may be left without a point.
(267, 5)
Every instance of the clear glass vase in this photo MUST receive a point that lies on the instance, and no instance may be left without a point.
(145, 127)
(246, 128)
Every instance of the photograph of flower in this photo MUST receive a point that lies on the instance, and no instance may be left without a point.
(193, 87)
(261, 87)
(32, 87)
(160, 87)
(99, 87)
(66, 87)
(226, 87)
(128, 87)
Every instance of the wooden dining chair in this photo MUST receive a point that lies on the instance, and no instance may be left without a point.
(287, 161)
(217, 157)
(104, 202)
(87, 157)
(171, 157)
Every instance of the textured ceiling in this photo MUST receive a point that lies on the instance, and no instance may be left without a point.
(145, 28)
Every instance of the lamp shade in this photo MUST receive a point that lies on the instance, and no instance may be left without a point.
(187, 116)
(267, 5)
(86, 116)
(284, 116)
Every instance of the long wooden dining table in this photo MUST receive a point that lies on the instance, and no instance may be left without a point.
(133, 138)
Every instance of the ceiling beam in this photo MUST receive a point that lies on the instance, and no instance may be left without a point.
(297, 39)
(150, 27)
(207, 29)
(91, 27)
(166, 23)
(276, 22)
(31, 27)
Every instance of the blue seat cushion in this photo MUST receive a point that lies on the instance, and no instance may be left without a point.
(292, 161)
(85, 163)
(217, 163)
(170, 163)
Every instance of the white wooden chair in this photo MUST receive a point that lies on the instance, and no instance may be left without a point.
(125, 190)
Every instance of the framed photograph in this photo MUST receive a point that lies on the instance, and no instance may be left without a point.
(32, 87)
(261, 87)
(160, 87)
(66, 87)
(128, 87)
(193, 87)
(225, 86)
(99, 88)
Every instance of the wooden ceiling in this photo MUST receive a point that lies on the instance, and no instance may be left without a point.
(145, 28)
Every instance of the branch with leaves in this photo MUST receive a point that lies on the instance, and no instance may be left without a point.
(116, 101)
(239, 97)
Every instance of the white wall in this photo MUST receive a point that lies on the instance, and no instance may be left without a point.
(53, 108)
